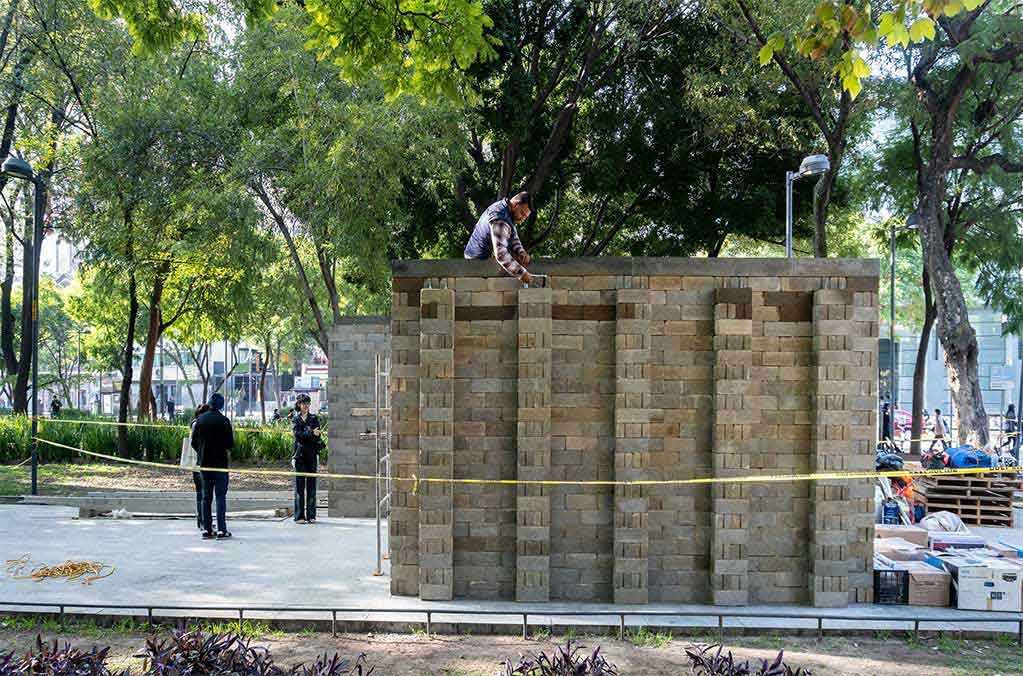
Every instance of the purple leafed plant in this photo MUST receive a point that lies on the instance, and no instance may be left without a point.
(194, 654)
(56, 659)
(567, 660)
(706, 661)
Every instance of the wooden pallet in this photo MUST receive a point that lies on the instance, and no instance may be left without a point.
(978, 499)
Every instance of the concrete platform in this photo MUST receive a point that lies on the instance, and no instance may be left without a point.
(283, 567)
(166, 502)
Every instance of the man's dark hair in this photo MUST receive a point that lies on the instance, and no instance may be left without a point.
(521, 198)
(938, 411)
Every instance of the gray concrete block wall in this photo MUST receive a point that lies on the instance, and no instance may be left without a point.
(661, 369)
(354, 342)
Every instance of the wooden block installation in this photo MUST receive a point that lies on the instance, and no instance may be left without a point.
(630, 369)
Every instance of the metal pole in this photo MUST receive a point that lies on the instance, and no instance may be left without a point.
(78, 381)
(376, 447)
(789, 178)
(37, 238)
(891, 334)
(1019, 402)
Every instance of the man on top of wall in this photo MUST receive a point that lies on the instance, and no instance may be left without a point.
(495, 236)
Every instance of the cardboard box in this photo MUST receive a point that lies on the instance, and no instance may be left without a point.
(898, 549)
(941, 541)
(983, 583)
(914, 534)
(1004, 550)
(928, 586)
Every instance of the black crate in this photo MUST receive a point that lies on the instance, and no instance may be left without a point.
(891, 587)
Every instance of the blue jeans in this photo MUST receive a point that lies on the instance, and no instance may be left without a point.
(305, 492)
(197, 480)
(214, 483)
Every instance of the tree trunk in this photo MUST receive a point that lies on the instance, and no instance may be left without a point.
(147, 408)
(957, 336)
(28, 259)
(821, 200)
(6, 308)
(262, 381)
(920, 369)
(124, 406)
(180, 363)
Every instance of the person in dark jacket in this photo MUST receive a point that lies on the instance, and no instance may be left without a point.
(196, 476)
(495, 236)
(213, 439)
(308, 442)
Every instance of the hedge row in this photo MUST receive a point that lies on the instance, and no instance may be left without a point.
(162, 443)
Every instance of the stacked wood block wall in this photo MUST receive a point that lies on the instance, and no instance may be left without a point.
(533, 502)
(354, 344)
(635, 369)
(485, 435)
(436, 443)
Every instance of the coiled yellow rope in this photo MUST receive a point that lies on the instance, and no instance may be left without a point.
(86, 571)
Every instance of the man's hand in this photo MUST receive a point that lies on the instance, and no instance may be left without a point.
(526, 278)
(316, 431)
(524, 259)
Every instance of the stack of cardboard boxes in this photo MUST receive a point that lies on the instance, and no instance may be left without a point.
(956, 569)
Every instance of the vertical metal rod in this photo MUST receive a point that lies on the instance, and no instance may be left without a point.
(892, 377)
(621, 627)
(37, 240)
(62, 617)
(376, 444)
(721, 627)
(241, 619)
(789, 178)
(429, 623)
(149, 619)
(1019, 636)
(333, 623)
(820, 628)
(525, 627)
(916, 630)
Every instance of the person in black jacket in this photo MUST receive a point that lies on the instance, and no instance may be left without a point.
(213, 439)
(306, 458)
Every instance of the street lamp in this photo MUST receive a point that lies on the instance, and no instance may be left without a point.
(912, 223)
(18, 168)
(812, 165)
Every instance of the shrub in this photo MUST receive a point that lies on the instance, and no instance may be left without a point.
(184, 654)
(231, 655)
(161, 443)
(54, 659)
(706, 661)
(564, 661)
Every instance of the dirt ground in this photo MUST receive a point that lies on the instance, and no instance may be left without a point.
(75, 479)
(419, 655)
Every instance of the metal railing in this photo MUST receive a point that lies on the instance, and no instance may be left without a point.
(430, 613)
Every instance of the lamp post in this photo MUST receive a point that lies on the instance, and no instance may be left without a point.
(812, 165)
(912, 223)
(18, 168)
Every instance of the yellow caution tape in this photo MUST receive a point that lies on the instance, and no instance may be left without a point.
(86, 571)
(416, 480)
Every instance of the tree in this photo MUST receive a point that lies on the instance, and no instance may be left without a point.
(965, 49)
(421, 45)
(327, 163)
(814, 83)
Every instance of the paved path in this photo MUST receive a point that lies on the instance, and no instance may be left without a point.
(281, 564)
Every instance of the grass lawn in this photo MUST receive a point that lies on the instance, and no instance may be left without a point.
(80, 479)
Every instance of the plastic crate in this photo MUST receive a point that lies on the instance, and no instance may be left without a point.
(891, 587)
